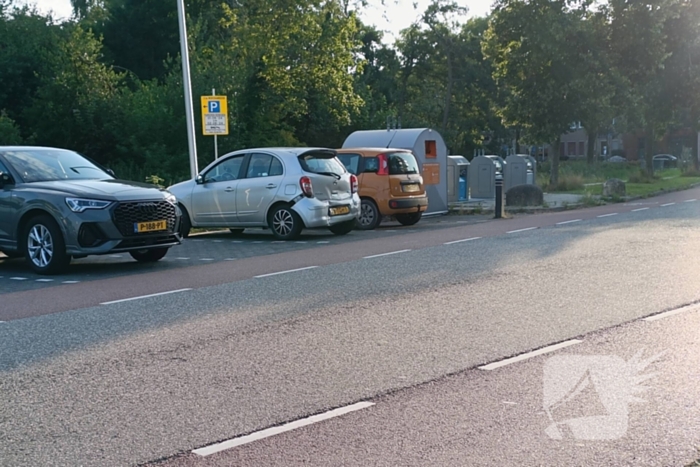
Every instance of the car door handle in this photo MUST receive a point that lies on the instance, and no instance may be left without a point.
(271, 185)
(229, 189)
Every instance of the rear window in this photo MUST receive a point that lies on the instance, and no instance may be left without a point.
(402, 163)
(351, 162)
(321, 163)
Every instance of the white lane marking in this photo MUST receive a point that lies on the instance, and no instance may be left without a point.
(690, 200)
(608, 215)
(144, 296)
(639, 209)
(70, 282)
(386, 254)
(206, 259)
(18, 278)
(569, 222)
(463, 240)
(301, 242)
(323, 242)
(667, 204)
(666, 314)
(258, 435)
(521, 230)
(181, 258)
(44, 280)
(285, 272)
(525, 356)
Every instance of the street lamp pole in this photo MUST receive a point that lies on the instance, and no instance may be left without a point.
(184, 52)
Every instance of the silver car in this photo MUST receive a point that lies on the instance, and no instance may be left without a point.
(56, 205)
(283, 189)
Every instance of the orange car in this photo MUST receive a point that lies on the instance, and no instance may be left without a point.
(390, 184)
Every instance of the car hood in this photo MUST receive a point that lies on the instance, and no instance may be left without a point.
(103, 189)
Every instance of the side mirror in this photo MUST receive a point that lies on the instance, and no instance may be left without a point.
(5, 179)
(199, 180)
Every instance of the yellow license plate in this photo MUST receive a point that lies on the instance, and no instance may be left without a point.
(411, 188)
(152, 226)
(340, 210)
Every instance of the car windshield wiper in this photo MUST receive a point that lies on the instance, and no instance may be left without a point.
(74, 169)
(330, 173)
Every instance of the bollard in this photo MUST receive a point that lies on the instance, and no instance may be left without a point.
(498, 209)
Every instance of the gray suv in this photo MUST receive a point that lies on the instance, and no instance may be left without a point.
(56, 205)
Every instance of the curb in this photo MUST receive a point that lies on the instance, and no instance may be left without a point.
(569, 207)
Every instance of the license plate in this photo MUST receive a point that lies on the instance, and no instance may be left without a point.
(339, 210)
(152, 226)
(411, 188)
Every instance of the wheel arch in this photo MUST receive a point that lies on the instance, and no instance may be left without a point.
(24, 220)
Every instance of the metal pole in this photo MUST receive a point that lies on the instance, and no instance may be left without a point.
(184, 52)
(216, 146)
(498, 209)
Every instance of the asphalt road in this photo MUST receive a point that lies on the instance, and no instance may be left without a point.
(241, 345)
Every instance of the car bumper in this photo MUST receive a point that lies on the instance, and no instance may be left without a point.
(97, 233)
(409, 204)
(316, 213)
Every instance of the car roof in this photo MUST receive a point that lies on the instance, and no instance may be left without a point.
(282, 151)
(373, 149)
(25, 148)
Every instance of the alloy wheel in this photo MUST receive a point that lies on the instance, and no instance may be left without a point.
(283, 222)
(40, 246)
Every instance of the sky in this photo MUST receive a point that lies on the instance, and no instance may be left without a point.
(395, 16)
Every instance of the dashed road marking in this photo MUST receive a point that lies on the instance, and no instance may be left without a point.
(386, 254)
(460, 241)
(144, 296)
(525, 356)
(666, 314)
(521, 230)
(325, 241)
(258, 435)
(44, 280)
(639, 209)
(182, 258)
(608, 215)
(569, 222)
(301, 242)
(70, 282)
(667, 204)
(285, 272)
(206, 259)
(18, 278)
(689, 200)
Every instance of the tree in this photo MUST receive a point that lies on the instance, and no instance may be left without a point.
(530, 45)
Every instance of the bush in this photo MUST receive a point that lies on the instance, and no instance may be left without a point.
(642, 177)
(569, 182)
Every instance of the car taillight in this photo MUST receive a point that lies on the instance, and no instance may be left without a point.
(306, 188)
(383, 164)
(353, 184)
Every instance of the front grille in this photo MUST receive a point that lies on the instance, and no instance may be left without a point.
(129, 213)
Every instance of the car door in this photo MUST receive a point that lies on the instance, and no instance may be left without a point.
(214, 199)
(8, 212)
(263, 177)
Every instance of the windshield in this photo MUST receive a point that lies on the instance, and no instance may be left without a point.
(44, 165)
(324, 163)
(401, 163)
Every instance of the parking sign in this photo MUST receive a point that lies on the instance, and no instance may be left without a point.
(214, 115)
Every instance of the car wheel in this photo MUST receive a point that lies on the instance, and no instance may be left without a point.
(185, 223)
(343, 228)
(370, 217)
(284, 223)
(409, 219)
(149, 256)
(45, 249)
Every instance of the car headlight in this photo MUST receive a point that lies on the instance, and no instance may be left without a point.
(80, 204)
(171, 198)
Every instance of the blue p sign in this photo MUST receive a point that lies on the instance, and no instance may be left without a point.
(214, 107)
